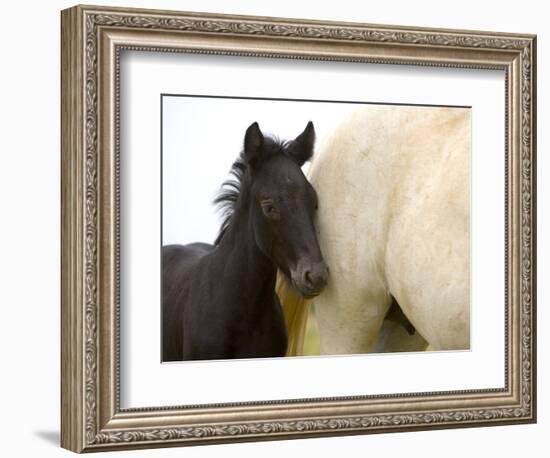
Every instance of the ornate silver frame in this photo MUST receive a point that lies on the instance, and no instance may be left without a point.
(92, 38)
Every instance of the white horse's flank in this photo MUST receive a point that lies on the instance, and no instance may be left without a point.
(394, 219)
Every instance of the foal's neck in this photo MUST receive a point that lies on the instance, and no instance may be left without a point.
(254, 273)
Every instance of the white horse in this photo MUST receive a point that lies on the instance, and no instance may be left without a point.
(394, 220)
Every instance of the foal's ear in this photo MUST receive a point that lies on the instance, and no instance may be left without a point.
(301, 148)
(253, 142)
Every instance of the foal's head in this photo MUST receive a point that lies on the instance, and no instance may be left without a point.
(281, 205)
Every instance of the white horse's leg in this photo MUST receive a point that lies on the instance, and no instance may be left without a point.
(348, 324)
(441, 314)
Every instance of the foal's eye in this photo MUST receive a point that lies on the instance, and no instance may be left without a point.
(269, 209)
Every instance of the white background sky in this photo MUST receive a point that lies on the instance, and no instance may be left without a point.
(201, 139)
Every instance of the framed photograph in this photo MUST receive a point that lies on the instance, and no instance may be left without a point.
(278, 228)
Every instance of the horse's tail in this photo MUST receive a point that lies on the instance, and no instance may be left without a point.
(295, 308)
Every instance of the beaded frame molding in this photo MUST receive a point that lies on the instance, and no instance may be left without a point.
(92, 40)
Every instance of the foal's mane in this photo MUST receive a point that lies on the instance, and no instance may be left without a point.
(227, 197)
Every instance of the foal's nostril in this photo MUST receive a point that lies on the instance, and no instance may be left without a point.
(315, 277)
(307, 278)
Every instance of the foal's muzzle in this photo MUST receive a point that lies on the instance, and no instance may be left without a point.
(310, 278)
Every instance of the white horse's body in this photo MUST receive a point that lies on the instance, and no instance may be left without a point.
(394, 219)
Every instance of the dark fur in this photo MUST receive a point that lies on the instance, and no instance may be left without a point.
(395, 314)
(219, 300)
